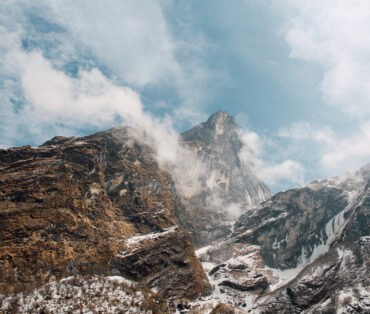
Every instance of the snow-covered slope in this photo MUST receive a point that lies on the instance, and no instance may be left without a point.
(338, 281)
(311, 242)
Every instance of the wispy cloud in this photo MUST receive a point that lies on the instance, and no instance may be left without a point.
(130, 42)
(273, 173)
(306, 131)
(131, 38)
(134, 40)
(335, 35)
(349, 152)
(336, 153)
(55, 102)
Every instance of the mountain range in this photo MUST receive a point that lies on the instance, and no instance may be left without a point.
(97, 224)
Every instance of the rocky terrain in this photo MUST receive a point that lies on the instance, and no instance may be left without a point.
(305, 250)
(337, 281)
(109, 294)
(229, 187)
(94, 224)
(93, 205)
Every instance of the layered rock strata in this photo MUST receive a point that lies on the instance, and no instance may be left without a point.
(92, 205)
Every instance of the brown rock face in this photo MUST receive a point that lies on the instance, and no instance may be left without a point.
(222, 308)
(71, 205)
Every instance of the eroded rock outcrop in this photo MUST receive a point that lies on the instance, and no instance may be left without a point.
(71, 206)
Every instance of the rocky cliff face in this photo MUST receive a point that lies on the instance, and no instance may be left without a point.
(338, 281)
(94, 224)
(92, 205)
(229, 186)
(296, 225)
(301, 248)
(292, 225)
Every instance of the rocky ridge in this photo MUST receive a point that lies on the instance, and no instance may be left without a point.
(303, 247)
(94, 224)
(93, 205)
(338, 281)
(230, 185)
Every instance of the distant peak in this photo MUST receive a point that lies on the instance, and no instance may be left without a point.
(221, 120)
(219, 125)
(218, 116)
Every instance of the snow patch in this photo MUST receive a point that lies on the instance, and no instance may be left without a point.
(249, 200)
(202, 250)
(284, 276)
(139, 239)
(150, 236)
(343, 253)
(121, 280)
(261, 195)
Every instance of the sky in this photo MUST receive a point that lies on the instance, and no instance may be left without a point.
(294, 74)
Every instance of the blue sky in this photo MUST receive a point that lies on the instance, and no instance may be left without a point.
(295, 74)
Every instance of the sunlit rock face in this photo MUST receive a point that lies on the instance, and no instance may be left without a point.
(95, 205)
(229, 186)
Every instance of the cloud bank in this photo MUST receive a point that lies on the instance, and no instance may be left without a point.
(129, 42)
(76, 68)
(335, 36)
(272, 173)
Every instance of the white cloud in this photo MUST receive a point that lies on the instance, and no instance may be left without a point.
(90, 100)
(58, 103)
(336, 153)
(288, 170)
(306, 131)
(131, 40)
(335, 35)
(134, 40)
(272, 173)
(131, 37)
(252, 140)
(348, 153)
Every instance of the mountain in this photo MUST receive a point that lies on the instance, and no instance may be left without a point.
(95, 224)
(338, 281)
(305, 249)
(296, 225)
(230, 185)
(94, 205)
